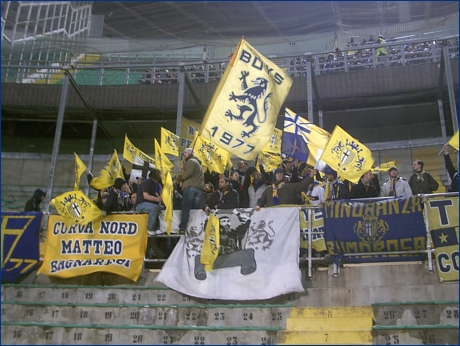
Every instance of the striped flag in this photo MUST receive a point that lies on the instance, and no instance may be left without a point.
(242, 113)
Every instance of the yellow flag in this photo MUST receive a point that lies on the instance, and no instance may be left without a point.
(211, 243)
(80, 167)
(454, 141)
(274, 144)
(347, 156)
(163, 163)
(142, 163)
(108, 174)
(169, 142)
(384, 167)
(167, 198)
(269, 160)
(242, 114)
(76, 208)
(130, 153)
(211, 155)
(187, 133)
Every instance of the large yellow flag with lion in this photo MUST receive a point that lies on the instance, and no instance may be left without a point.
(242, 114)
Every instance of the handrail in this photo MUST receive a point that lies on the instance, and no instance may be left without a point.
(358, 57)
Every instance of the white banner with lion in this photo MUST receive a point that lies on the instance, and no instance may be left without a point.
(258, 256)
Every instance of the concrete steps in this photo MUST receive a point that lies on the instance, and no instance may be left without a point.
(74, 314)
(329, 325)
(416, 323)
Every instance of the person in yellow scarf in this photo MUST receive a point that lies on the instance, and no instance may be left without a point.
(421, 182)
(279, 192)
(395, 186)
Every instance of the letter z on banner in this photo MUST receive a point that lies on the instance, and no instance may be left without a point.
(258, 256)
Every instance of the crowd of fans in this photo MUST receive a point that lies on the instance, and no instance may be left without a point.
(245, 186)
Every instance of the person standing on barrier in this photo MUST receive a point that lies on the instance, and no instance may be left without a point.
(453, 173)
(280, 192)
(421, 182)
(149, 198)
(192, 179)
(395, 186)
(364, 187)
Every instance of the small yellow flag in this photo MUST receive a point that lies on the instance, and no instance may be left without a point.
(167, 198)
(134, 155)
(384, 167)
(80, 168)
(108, 174)
(211, 243)
(347, 156)
(211, 155)
(269, 160)
(76, 208)
(454, 141)
(162, 161)
(169, 142)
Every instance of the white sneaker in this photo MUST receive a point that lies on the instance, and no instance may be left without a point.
(151, 232)
(159, 232)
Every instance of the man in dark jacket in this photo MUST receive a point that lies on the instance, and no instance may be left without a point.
(453, 173)
(364, 187)
(225, 198)
(421, 181)
(33, 204)
(280, 192)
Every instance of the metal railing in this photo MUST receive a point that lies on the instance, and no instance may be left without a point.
(132, 69)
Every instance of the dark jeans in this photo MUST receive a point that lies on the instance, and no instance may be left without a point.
(191, 199)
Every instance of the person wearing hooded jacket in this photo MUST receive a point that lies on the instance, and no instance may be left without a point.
(118, 199)
(33, 204)
(192, 179)
(256, 188)
(280, 192)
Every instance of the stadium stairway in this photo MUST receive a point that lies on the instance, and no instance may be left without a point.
(104, 308)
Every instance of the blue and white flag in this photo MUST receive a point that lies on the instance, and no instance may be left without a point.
(303, 140)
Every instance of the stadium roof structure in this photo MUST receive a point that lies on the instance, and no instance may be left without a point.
(222, 23)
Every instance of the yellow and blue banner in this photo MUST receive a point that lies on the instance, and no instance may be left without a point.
(20, 244)
(242, 113)
(115, 244)
(269, 160)
(347, 156)
(380, 226)
(443, 221)
(317, 227)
